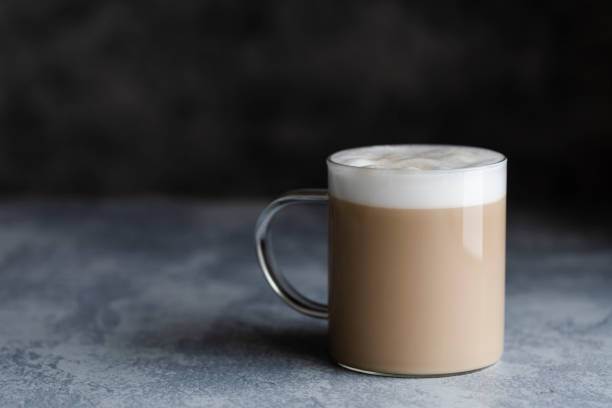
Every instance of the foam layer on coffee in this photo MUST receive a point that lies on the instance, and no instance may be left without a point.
(418, 176)
(417, 157)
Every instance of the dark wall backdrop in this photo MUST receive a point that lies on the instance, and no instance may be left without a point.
(234, 99)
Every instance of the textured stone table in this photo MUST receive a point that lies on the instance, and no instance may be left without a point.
(160, 304)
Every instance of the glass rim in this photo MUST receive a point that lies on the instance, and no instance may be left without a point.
(499, 163)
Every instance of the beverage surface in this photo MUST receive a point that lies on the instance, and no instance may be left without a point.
(417, 176)
(417, 157)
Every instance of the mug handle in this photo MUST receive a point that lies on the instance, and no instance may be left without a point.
(277, 281)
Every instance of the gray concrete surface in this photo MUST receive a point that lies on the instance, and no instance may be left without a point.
(160, 304)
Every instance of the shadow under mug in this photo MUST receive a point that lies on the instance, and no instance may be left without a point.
(416, 266)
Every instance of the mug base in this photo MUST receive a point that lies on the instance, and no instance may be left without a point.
(400, 375)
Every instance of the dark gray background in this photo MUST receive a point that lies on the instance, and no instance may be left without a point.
(160, 302)
(246, 99)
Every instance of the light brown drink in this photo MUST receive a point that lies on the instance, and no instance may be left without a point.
(416, 291)
(416, 258)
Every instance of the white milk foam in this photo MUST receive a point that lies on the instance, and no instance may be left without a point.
(417, 176)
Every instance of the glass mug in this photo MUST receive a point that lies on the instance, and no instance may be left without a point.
(416, 259)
